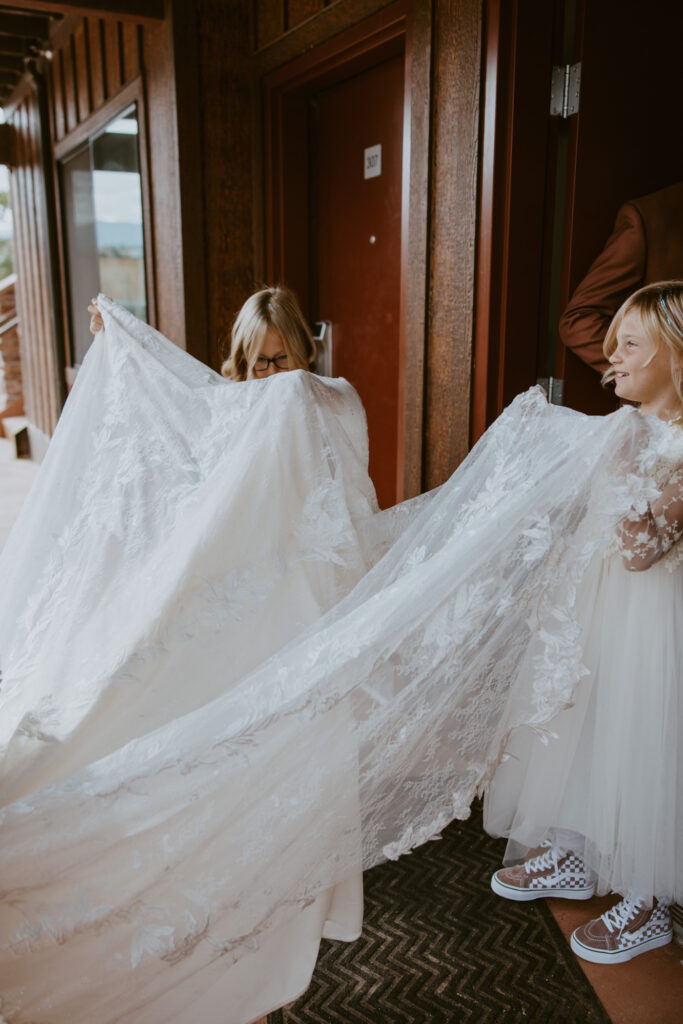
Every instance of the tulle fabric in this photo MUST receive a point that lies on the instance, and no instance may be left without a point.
(230, 683)
(612, 771)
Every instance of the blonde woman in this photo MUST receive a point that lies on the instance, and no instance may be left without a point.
(269, 336)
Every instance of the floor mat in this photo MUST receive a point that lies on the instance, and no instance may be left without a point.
(438, 945)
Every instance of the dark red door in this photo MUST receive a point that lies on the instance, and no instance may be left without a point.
(551, 186)
(625, 142)
(356, 158)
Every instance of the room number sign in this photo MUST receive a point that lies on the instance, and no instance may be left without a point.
(373, 162)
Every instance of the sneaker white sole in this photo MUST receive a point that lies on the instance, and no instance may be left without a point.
(619, 956)
(512, 892)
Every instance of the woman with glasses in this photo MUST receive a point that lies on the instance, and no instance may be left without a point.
(269, 336)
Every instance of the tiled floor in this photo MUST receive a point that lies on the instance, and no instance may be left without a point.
(16, 477)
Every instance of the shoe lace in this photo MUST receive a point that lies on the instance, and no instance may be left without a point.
(618, 916)
(542, 861)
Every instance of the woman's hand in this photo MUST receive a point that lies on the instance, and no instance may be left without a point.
(96, 321)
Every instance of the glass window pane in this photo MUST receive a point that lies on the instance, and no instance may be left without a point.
(103, 213)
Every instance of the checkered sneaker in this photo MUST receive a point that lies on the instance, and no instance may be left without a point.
(552, 873)
(627, 930)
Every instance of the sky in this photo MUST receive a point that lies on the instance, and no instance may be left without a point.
(5, 212)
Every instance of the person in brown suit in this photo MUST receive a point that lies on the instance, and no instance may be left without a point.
(645, 246)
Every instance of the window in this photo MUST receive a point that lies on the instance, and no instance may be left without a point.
(102, 197)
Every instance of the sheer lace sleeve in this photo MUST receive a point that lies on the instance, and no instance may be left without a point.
(643, 540)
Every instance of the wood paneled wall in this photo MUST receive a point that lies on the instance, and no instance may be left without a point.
(225, 35)
(39, 356)
(457, 36)
(95, 62)
(272, 18)
(201, 71)
(239, 43)
(92, 60)
(445, 54)
(242, 42)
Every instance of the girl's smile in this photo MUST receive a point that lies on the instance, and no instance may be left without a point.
(643, 372)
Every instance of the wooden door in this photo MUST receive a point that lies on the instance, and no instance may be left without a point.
(334, 191)
(355, 216)
(625, 142)
(551, 187)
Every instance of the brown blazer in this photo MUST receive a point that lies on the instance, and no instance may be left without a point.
(645, 246)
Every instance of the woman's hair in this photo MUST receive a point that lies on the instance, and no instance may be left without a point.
(660, 308)
(270, 308)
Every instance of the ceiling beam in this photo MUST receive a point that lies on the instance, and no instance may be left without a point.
(123, 10)
(27, 25)
(11, 63)
(13, 44)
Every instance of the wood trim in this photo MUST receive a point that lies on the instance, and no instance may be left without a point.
(61, 280)
(516, 209)
(487, 310)
(414, 248)
(61, 31)
(53, 252)
(456, 63)
(134, 92)
(305, 37)
(82, 64)
(327, 61)
(112, 57)
(70, 105)
(26, 25)
(130, 93)
(323, 65)
(147, 198)
(23, 87)
(190, 178)
(122, 10)
(98, 83)
(333, 20)
(361, 38)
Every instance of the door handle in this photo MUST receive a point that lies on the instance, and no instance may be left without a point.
(324, 359)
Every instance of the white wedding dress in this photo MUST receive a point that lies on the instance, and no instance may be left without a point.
(230, 684)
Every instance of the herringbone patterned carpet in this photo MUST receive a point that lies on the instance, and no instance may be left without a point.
(439, 946)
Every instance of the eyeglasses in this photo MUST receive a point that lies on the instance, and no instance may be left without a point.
(279, 362)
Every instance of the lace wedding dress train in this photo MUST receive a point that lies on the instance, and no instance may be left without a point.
(230, 684)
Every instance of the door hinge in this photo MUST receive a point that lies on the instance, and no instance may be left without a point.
(554, 389)
(565, 87)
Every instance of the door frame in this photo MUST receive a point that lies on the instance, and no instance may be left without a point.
(360, 46)
(517, 169)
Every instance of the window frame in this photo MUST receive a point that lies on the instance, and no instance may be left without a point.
(68, 147)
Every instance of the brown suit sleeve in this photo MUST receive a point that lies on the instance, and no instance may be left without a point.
(618, 271)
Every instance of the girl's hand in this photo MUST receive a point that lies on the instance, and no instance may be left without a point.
(644, 539)
(96, 321)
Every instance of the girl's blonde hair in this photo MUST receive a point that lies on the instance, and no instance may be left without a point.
(660, 308)
(270, 308)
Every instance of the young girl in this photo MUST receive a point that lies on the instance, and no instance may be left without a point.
(604, 793)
